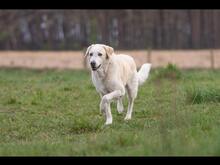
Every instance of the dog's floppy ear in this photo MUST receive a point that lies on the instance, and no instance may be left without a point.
(109, 50)
(87, 51)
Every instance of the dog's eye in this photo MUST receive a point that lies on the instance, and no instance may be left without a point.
(100, 54)
(90, 54)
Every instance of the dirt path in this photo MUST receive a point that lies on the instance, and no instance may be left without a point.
(75, 59)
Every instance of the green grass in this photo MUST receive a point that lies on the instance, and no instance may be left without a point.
(169, 72)
(203, 94)
(52, 112)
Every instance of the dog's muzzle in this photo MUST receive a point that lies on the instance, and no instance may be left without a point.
(95, 68)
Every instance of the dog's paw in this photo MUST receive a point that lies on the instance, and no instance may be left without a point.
(127, 117)
(120, 109)
(108, 121)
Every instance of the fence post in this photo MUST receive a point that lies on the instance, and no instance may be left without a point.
(149, 55)
(212, 59)
(84, 59)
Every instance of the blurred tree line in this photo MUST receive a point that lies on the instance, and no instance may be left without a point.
(123, 29)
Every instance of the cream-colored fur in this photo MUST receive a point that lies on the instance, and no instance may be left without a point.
(114, 75)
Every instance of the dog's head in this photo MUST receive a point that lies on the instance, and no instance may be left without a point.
(97, 55)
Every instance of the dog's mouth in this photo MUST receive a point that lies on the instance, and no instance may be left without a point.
(95, 68)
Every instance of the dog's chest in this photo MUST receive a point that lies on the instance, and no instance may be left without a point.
(102, 86)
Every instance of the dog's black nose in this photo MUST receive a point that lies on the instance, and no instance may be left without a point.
(92, 63)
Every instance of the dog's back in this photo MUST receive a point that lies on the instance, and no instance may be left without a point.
(124, 66)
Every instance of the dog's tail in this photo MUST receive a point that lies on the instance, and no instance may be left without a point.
(143, 73)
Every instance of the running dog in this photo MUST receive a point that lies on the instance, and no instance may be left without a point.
(113, 75)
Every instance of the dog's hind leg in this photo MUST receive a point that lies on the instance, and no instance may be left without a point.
(132, 89)
(120, 106)
(130, 108)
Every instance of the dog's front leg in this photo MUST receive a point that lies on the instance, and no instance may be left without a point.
(105, 104)
(102, 110)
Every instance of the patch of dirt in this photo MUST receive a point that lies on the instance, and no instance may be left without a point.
(76, 60)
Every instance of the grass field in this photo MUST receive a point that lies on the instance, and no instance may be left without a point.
(56, 112)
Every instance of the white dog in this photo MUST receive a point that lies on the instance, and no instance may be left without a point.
(112, 76)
